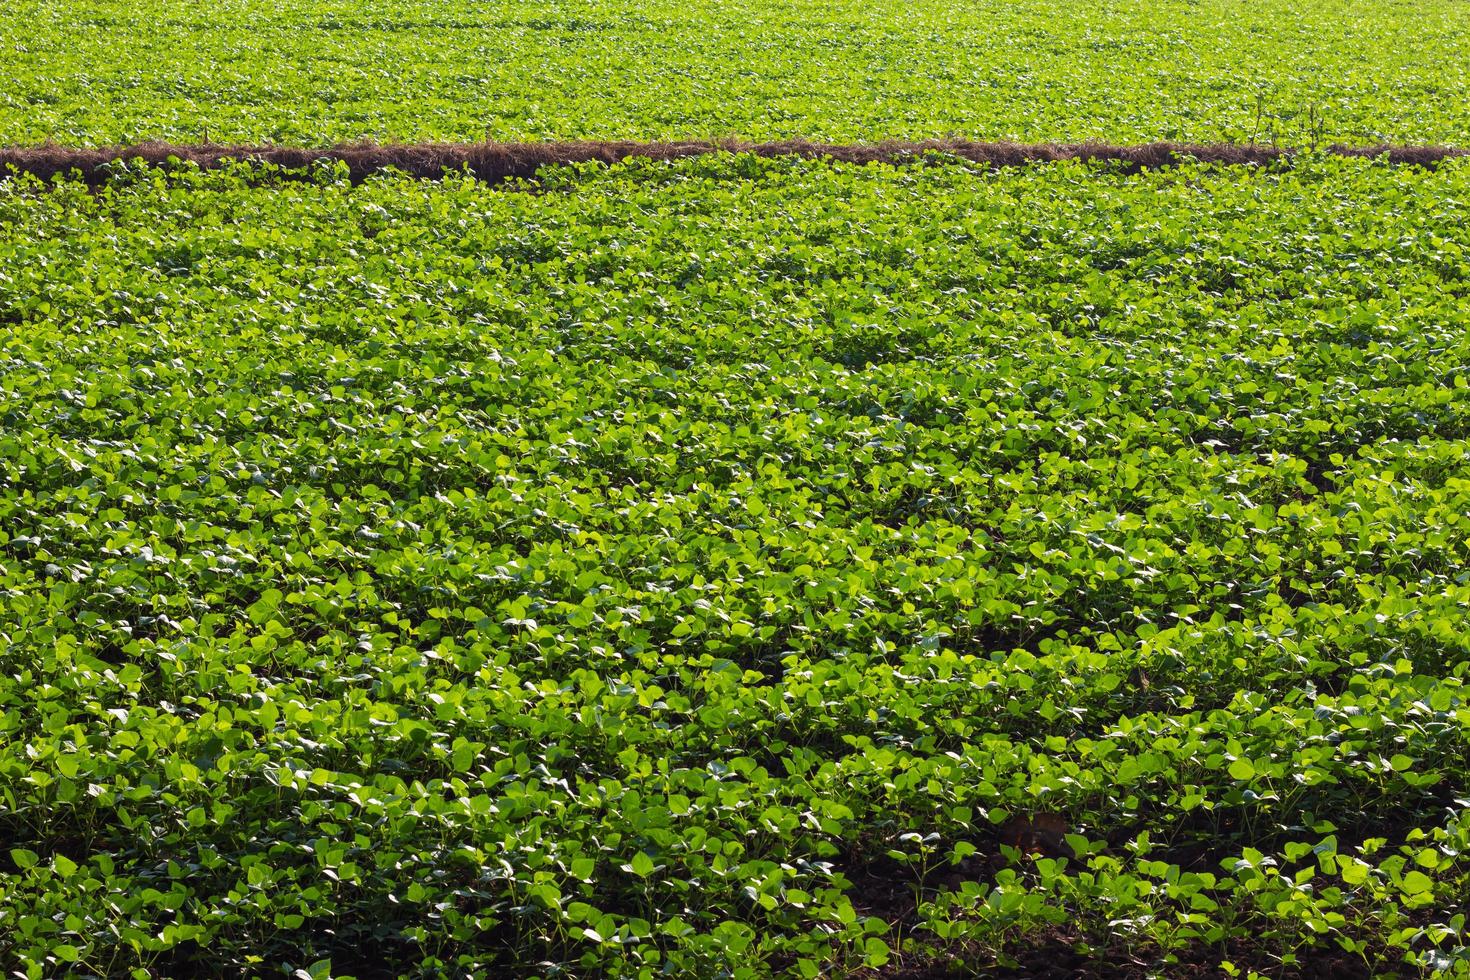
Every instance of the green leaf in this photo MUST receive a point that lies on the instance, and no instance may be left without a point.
(876, 951)
(1417, 883)
(463, 757)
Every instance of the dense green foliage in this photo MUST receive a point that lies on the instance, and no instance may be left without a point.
(649, 571)
(320, 71)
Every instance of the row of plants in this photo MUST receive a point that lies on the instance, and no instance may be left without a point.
(735, 568)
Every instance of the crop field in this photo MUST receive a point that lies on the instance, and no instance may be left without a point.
(925, 560)
(316, 72)
(737, 567)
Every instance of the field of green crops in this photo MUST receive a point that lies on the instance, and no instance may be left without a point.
(314, 72)
(737, 568)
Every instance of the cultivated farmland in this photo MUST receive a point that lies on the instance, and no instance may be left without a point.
(737, 565)
(317, 72)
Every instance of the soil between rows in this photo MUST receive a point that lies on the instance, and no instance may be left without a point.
(495, 162)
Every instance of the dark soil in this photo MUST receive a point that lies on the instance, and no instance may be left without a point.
(496, 162)
(1053, 956)
(886, 889)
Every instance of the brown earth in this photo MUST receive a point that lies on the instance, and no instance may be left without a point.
(1053, 955)
(502, 161)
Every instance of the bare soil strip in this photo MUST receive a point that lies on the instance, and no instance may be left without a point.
(503, 161)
